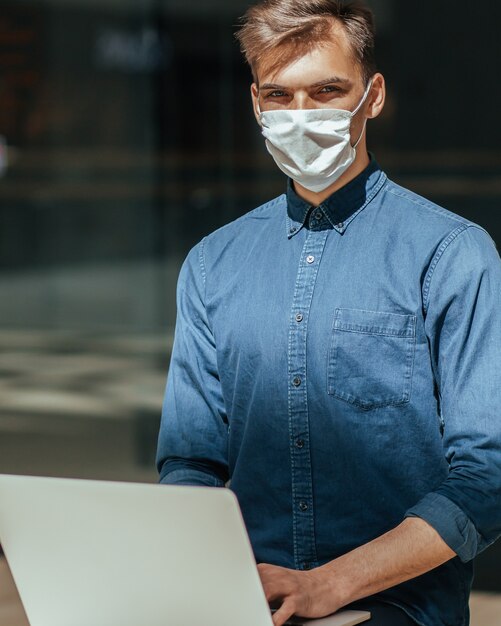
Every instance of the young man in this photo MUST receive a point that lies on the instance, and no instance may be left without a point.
(337, 351)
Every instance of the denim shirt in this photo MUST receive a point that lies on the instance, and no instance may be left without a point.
(341, 367)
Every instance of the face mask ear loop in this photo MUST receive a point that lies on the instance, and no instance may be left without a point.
(361, 134)
(364, 98)
(258, 110)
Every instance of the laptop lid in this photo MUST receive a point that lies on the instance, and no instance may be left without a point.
(121, 554)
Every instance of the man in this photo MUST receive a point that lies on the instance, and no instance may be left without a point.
(337, 351)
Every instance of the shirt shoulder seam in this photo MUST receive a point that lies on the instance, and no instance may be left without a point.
(395, 189)
(246, 216)
(201, 263)
(438, 255)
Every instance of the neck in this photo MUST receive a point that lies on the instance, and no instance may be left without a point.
(357, 167)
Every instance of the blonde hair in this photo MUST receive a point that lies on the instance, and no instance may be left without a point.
(281, 30)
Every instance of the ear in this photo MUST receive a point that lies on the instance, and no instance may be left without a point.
(255, 101)
(377, 96)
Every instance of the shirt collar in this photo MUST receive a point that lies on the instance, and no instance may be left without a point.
(342, 206)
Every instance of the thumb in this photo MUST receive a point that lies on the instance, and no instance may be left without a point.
(283, 613)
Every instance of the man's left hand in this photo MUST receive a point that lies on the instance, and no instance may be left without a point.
(301, 592)
(409, 550)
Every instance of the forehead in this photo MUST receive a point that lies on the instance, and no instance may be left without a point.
(332, 56)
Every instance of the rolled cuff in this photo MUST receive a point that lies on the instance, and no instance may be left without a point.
(451, 523)
(191, 477)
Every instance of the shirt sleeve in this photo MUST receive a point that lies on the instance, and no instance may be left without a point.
(192, 442)
(463, 326)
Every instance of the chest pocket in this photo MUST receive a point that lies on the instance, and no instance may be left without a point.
(371, 356)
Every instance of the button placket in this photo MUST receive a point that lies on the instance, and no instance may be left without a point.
(302, 488)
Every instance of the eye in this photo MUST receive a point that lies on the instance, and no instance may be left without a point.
(329, 89)
(276, 94)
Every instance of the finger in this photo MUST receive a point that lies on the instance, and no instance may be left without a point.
(275, 585)
(266, 569)
(265, 572)
(284, 612)
(273, 591)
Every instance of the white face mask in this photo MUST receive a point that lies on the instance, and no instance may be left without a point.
(312, 146)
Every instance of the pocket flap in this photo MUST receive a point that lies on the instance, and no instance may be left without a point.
(375, 322)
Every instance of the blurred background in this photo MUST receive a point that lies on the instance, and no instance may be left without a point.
(126, 135)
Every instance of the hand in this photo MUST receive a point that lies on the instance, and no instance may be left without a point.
(409, 550)
(305, 593)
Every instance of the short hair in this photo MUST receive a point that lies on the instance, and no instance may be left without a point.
(285, 29)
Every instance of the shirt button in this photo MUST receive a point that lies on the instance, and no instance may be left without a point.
(299, 443)
(299, 317)
(340, 225)
(296, 381)
(303, 506)
(306, 565)
(318, 215)
(310, 258)
(292, 230)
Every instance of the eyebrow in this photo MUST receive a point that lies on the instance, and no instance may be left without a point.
(332, 79)
(321, 83)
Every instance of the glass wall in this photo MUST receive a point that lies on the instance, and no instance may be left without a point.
(126, 134)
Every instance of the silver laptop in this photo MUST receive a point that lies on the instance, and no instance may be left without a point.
(96, 553)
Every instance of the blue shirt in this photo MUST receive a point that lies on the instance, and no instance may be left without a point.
(341, 366)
